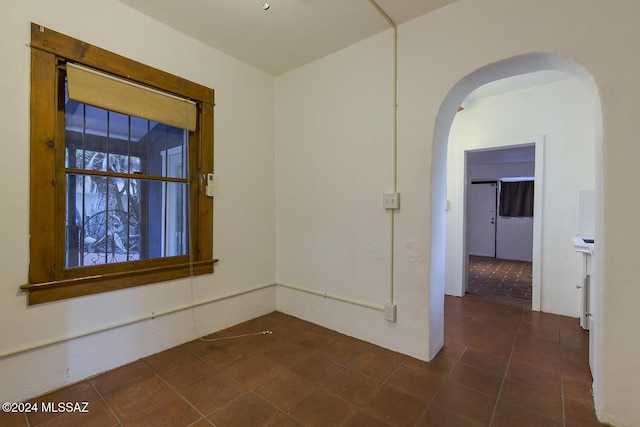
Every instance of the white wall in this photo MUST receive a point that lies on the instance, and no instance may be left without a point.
(562, 112)
(334, 162)
(328, 110)
(244, 206)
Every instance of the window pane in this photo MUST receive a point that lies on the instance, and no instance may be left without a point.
(139, 128)
(103, 217)
(167, 149)
(113, 220)
(118, 126)
(95, 120)
(160, 152)
(167, 219)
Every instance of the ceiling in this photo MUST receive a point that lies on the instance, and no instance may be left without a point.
(289, 34)
(292, 33)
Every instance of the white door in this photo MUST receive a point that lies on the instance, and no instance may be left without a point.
(481, 218)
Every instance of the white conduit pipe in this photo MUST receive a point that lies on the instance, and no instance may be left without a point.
(178, 309)
(129, 322)
(333, 297)
(395, 139)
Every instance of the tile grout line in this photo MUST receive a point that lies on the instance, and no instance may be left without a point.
(360, 407)
(316, 386)
(157, 374)
(506, 372)
(178, 392)
(223, 372)
(105, 402)
(564, 414)
(458, 359)
(219, 372)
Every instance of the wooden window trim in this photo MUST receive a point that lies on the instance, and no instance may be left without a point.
(47, 282)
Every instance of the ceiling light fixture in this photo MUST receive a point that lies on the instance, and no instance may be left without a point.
(266, 6)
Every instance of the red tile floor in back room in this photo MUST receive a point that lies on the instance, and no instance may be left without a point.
(502, 365)
(500, 280)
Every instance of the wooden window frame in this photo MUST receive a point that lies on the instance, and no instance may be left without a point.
(48, 279)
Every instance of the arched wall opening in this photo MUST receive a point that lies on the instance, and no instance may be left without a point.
(510, 67)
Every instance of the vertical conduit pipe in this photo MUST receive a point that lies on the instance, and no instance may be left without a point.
(395, 138)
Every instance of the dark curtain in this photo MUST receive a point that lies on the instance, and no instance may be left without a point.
(516, 198)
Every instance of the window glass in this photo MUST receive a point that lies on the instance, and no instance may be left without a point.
(127, 189)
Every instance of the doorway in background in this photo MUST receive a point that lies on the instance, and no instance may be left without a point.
(499, 249)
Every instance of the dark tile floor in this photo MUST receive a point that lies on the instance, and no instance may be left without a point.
(500, 280)
(500, 366)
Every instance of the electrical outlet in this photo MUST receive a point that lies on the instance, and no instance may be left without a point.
(390, 312)
(391, 200)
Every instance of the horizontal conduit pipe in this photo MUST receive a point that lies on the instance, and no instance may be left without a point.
(333, 297)
(130, 322)
(178, 309)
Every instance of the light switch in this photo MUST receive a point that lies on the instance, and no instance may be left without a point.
(391, 200)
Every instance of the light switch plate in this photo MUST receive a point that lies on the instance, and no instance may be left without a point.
(391, 200)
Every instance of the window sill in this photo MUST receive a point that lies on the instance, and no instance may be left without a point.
(39, 293)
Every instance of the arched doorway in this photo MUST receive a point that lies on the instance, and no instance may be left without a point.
(507, 68)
